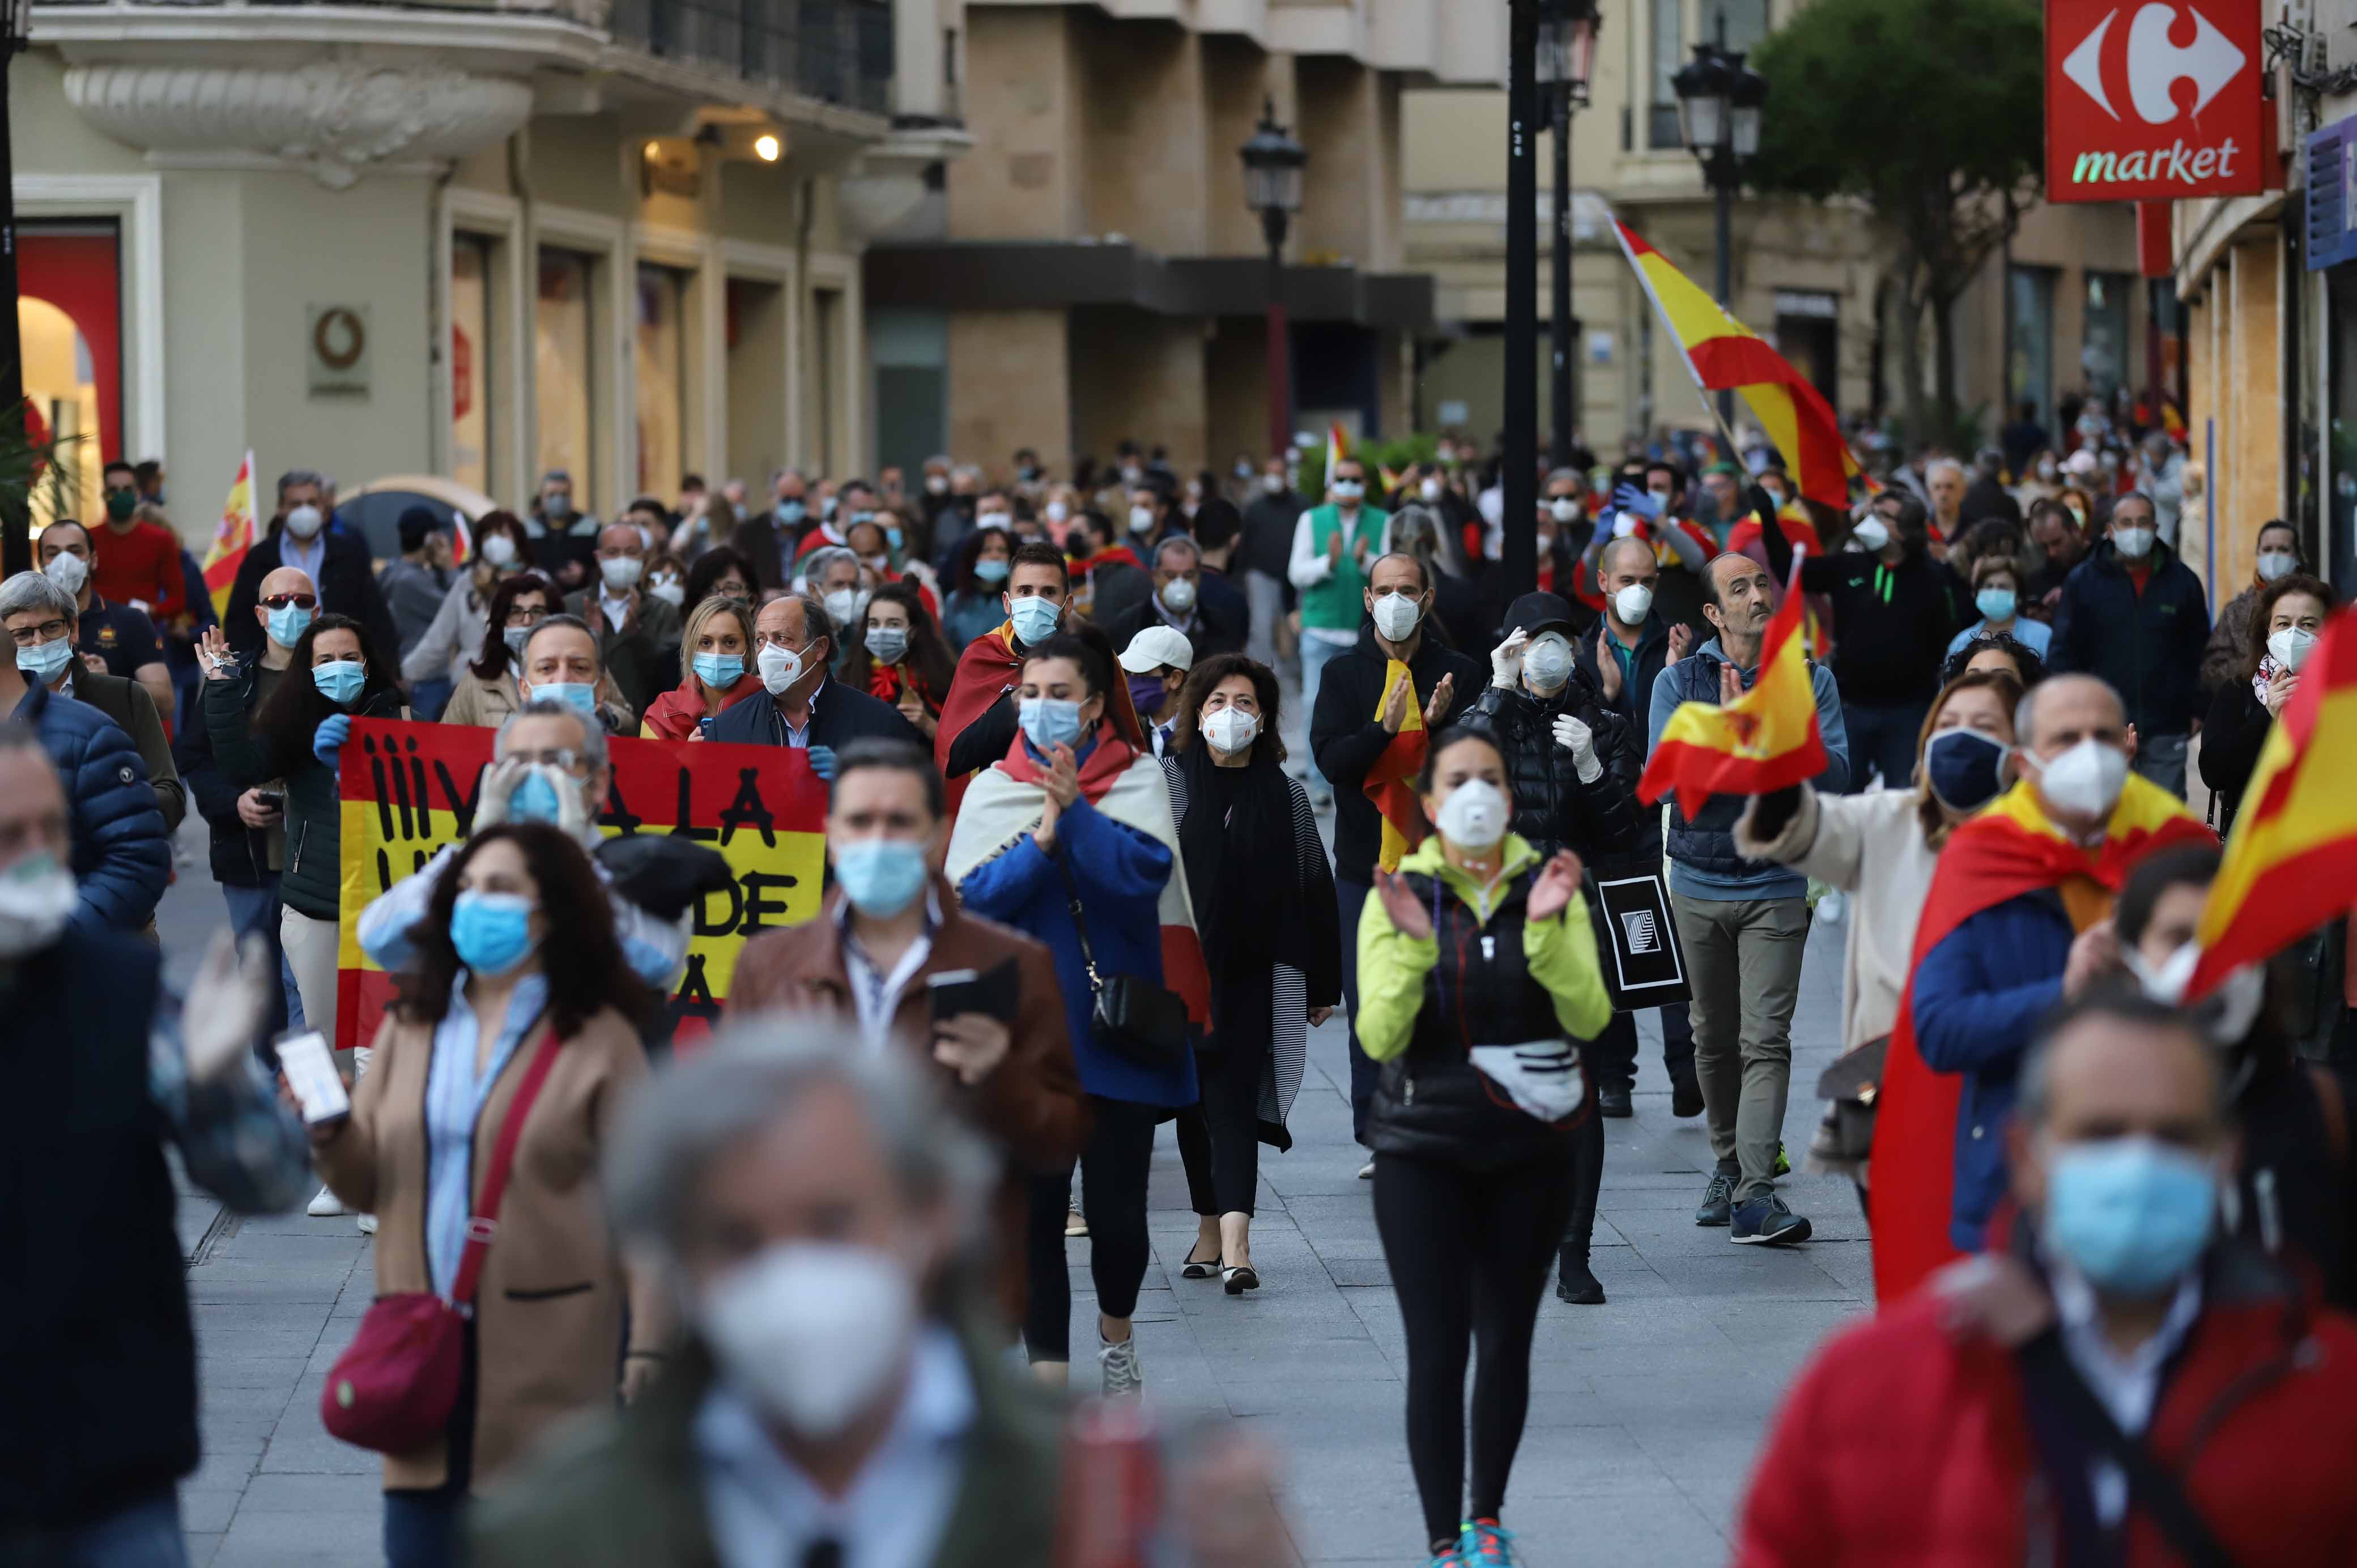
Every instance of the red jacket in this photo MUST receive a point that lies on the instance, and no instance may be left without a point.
(677, 714)
(1905, 1442)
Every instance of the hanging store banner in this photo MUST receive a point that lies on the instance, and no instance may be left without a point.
(410, 789)
(2152, 100)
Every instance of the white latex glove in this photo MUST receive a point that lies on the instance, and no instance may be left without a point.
(1506, 659)
(571, 811)
(1580, 741)
(499, 781)
(227, 1005)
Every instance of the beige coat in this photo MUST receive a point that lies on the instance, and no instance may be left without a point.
(548, 1312)
(489, 704)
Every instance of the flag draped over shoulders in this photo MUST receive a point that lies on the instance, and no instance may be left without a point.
(987, 668)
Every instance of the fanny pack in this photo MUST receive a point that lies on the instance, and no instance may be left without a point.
(1541, 1078)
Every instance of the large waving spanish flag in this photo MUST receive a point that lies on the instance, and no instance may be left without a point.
(1765, 740)
(2292, 861)
(1726, 356)
(2007, 851)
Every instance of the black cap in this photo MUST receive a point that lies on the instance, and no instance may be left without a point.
(416, 522)
(1535, 613)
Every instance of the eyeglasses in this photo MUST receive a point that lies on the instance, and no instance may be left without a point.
(526, 615)
(34, 636)
(300, 601)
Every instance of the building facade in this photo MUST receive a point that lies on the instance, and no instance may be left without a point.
(616, 237)
(1089, 273)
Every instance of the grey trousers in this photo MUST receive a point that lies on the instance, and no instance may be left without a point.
(1743, 958)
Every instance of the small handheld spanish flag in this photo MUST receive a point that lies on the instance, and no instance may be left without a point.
(231, 540)
(1391, 782)
(1765, 740)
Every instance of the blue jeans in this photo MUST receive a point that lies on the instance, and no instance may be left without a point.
(1882, 738)
(144, 1535)
(254, 911)
(2161, 758)
(1316, 654)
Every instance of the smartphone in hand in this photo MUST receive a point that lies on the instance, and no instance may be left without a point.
(310, 1069)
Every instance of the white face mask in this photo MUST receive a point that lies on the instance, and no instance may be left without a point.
(67, 570)
(1349, 490)
(620, 572)
(1057, 512)
(2226, 1014)
(1474, 815)
(1633, 603)
(1141, 519)
(2133, 543)
(2086, 780)
(305, 521)
(1547, 662)
(1395, 617)
(670, 590)
(1230, 729)
(2273, 565)
(499, 550)
(1273, 483)
(38, 896)
(1429, 490)
(780, 666)
(813, 1330)
(1179, 596)
(1564, 508)
(2289, 647)
(845, 606)
(1872, 532)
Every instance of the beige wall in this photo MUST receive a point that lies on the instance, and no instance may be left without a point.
(1136, 377)
(1011, 378)
(1026, 108)
(1144, 125)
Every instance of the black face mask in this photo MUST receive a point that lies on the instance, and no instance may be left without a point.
(1964, 768)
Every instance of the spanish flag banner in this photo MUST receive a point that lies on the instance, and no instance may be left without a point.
(231, 540)
(1765, 740)
(2292, 861)
(1726, 356)
(1391, 782)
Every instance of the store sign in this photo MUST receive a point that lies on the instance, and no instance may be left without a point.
(2331, 209)
(338, 345)
(2153, 101)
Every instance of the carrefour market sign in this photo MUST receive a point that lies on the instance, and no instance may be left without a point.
(2147, 100)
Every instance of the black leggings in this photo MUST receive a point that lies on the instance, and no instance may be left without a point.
(1113, 1168)
(1586, 1175)
(1219, 1141)
(1469, 1253)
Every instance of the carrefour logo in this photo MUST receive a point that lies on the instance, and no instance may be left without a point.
(2166, 81)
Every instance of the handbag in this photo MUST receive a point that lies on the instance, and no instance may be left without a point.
(1138, 1018)
(1851, 1088)
(394, 1387)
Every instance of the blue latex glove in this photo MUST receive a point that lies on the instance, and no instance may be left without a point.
(1643, 502)
(822, 761)
(334, 730)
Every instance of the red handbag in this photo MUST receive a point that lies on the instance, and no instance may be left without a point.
(395, 1385)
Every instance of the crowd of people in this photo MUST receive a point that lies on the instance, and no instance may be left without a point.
(1079, 885)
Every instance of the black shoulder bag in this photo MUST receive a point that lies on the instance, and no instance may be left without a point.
(1139, 1019)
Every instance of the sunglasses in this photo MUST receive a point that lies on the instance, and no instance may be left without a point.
(300, 601)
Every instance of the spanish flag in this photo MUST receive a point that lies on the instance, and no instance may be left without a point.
(1726, 356)
(1765, 740)
(231, 540)
(2008, 850)
(1391, 782)
(2292, 861)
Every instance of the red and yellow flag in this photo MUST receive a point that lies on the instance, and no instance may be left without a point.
(1726, 356)
(1391, 782)
(231, 540)
(1337, 446)
(2292, 861)
(1765, 740)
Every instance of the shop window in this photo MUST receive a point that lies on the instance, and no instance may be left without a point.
(2030, 356)
(2103, 343)
(471, 377)
(662, 378)
(69, 320)
(564, 374)
(1669, 54)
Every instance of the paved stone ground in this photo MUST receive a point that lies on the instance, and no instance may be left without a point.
(1645, 1413)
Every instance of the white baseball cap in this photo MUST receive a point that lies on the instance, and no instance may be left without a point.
(1155, 647)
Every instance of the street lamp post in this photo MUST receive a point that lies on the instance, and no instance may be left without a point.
(15, 515)
(1719, 100)
(1518, 481)
(1566, 52)
(1272, 165)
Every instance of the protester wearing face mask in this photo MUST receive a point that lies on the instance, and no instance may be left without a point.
(2015, 921)
(638, 634)
(1462, 609)
(112, 638)
(1880, 849)
(977, 578)
(517, 1006)
(1179, 604)
(2223, 659)
(557, 661)
(716, 647)
(564, 536)
(1263, 554)
(769, 537)
(1078, 815)
(1962, 1425)
(1363, 702)
(1155, 666)
(1333, 547)
(1263, 900)
(794, 641)
(107, 1067)
(303, 534)
(2280, 633)
(1110, 580)
(486, 692)
(138, 559)
(1649, 504)
(2136, 615)
(1478, 988)
(1996, 595)
(452, 641)
(899, 658)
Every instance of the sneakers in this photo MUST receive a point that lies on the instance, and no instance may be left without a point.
(1074, 1225)
(1767, 1222)
(1451, 1558)
(325, 1205)
(1612, 1100)
(1685, 1091)
(1486, 1543)
(367, 1223)
(1577, 1284)
(1717, 1199)
(1784, 1162)
(1367, 1171)
(1119, 1363)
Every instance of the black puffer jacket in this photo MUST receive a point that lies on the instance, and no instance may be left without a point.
(1553, 807)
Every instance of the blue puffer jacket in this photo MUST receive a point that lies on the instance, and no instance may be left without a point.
(1978, 996)
(122, 855)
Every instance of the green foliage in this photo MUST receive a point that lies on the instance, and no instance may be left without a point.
(31, 469)
(1376, 455)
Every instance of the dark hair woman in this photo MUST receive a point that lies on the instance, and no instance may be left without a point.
(503, 549)
(486, 690)
(517, 960)
(977, 586)
(898, 655)
(1998, 651)
(722, 571)
(1264, 901)
(1478, 981)
(2285, 622)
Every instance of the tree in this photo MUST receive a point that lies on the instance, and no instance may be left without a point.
(1930, 112)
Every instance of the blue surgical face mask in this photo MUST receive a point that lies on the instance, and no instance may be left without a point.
(1050, 722)
(341, 682)
(2131, 1213)
(720, 672)
(991, 569)
(492, 931)
(288, 625)
(791, 513)
(1964, 767)
(578, 695)
(881, 877)
(1995, 604)
(48, 662)
(1035, 618)
(888, 644)
(534, 800)
(892, 537)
